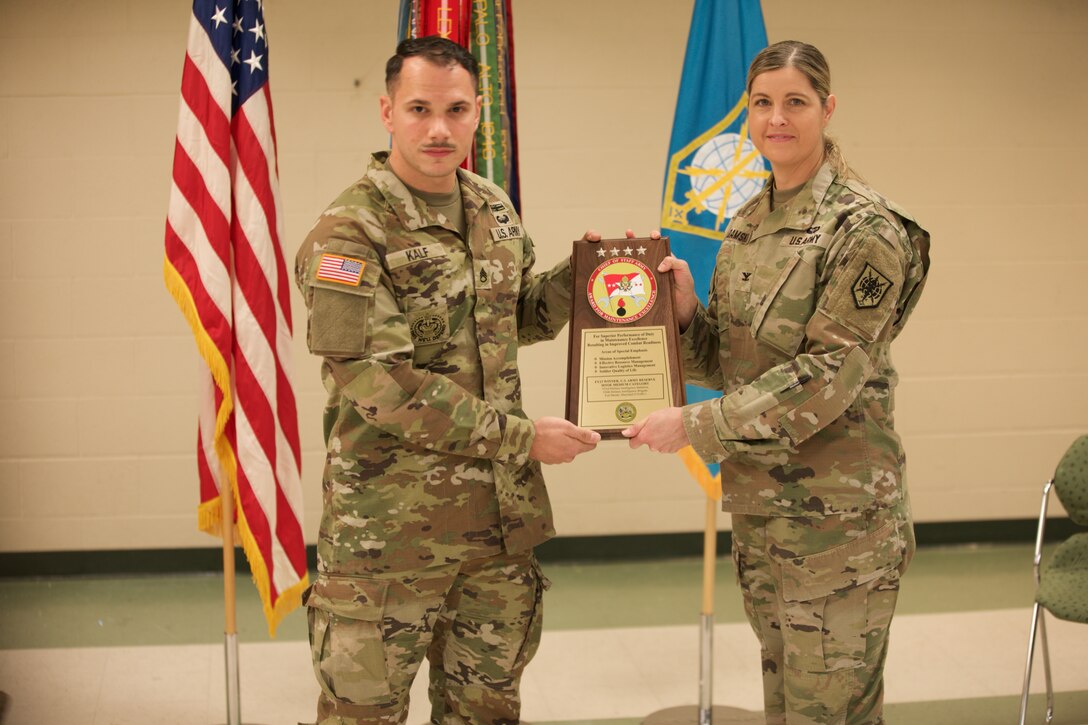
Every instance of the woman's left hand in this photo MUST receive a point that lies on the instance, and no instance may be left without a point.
(661, 431)
(684, 301)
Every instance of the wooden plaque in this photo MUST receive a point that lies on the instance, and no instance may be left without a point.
(623, 358)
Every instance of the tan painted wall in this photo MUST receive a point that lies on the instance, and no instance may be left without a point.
(971, 114)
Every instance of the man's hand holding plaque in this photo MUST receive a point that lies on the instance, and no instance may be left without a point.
(623, 358)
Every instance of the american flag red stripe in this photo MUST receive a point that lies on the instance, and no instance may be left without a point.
(226, 270)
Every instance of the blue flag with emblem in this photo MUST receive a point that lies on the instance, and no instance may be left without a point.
(713, 168)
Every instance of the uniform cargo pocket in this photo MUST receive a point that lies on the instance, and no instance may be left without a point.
(535, 623)
(858, 562)
(346, 641)
(827, 600)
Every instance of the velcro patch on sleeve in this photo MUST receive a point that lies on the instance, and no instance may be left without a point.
(861, 295)
(340, 269)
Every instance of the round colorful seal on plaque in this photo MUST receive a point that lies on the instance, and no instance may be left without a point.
(622, 290)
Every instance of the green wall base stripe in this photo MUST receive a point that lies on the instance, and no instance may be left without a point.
(562, 549)
(662, 546)
(1070, 708)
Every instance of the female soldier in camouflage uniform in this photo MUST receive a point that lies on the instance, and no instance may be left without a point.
(816, 276)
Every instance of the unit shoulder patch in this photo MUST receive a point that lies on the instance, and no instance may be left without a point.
(870, 288)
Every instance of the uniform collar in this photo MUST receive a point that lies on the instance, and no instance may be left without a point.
(474, 195)
(799, 213)
(413, 214)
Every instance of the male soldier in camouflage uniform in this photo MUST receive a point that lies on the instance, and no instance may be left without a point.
(811, 285)
(419, 288)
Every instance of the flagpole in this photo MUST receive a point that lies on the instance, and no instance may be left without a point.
(230, 635)
(703, 713)
(706, 713)
(706, 642)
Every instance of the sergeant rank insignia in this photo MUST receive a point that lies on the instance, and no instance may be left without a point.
(870, 288)
(622, 289)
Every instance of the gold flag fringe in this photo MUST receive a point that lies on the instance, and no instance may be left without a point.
(210, 513)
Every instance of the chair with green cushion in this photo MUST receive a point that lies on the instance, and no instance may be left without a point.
(1061, 586)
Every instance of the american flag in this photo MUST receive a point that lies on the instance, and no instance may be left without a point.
(345, 270)
(225, 268)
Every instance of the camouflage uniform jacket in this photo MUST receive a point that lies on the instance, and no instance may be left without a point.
(427, 444)
(803, 306)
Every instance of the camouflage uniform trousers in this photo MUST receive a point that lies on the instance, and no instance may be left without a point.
(820, 594)
(478, 622)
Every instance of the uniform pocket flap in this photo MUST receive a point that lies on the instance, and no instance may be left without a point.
(350, 597)
(819, 575)
(783, 312)
(770, 295)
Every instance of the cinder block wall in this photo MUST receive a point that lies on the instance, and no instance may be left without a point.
(970, 114)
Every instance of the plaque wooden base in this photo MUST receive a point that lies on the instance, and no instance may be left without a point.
(623, 358)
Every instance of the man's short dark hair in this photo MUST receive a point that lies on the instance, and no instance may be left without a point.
(435, 49)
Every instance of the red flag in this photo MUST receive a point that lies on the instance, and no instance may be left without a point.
(486, 29)
(225, 268)
(447, 18)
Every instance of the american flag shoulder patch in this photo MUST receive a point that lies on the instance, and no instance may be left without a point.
(339, 269)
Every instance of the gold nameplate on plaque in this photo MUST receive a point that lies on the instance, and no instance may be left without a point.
(623, 359)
